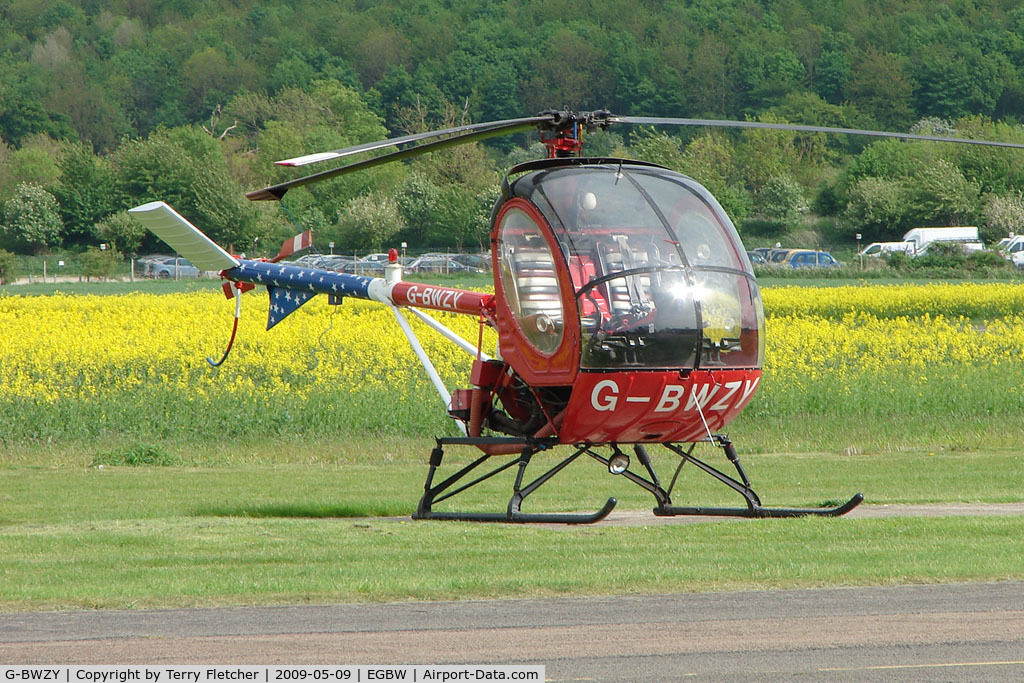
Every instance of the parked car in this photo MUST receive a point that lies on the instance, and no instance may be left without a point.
(922, 237)
(341, 263)
(883, 248)
(802, 258)
(482, 262)
(144, 264)
(1010, 246)
(174, 268)
(756, 258)
(363, 267)
(779, 256)
(440, 264)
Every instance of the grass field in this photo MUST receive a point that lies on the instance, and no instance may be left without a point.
(124, 537)
(131, 474)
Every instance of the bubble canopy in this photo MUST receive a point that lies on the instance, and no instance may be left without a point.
(659, 275)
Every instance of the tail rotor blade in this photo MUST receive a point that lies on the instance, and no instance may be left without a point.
(185, 238)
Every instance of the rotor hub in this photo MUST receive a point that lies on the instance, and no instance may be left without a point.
(563, 135)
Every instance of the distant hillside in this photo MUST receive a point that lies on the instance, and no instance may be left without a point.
(104, 105)
(99, 71)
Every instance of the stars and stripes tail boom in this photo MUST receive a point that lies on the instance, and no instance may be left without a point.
(290, 286)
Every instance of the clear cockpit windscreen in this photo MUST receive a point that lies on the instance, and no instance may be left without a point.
(660, 276)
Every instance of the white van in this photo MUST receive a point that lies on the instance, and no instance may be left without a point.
(1013, 245)
(922, 237)
(882, 248)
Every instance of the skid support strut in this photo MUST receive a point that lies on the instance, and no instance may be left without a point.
(452, 486)
(617, 463)
(741, 486)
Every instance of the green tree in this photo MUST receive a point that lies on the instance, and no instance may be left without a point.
(1003, 216)
(368, 222)
(122, 232)
(92, 110)
(890, 159)
(876, 207)
(882, 88)
(782, 200)
(831, 76)
(767, 154)
(86, 191)
(768, 73)
(710, 160)
(463, 181)
(33, 163)
(568, 70)
(331, 116)
(7, 265)
(941, 195)
(419, 201)
(463, 217)
(955, 83)
(997, 170)
(209, 78)
(709, 66)
(31, 218)
(98, 263)
(657, 147)
(22, 112)
(148, 79)
(185, 168)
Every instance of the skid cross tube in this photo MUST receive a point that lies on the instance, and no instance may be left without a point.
(652, 485)
(449, 487)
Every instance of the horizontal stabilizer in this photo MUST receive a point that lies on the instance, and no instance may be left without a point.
(284, 302)
(185, 238)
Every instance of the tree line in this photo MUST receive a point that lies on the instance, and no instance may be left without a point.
(106, 105)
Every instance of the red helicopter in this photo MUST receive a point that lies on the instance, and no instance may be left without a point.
(626, 308)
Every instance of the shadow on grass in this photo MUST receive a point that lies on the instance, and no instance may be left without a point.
(305, 510)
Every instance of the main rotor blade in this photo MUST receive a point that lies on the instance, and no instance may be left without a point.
(415, 137)
(658, 121)
(481, 131)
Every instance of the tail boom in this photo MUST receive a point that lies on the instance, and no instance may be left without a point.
(304, 283)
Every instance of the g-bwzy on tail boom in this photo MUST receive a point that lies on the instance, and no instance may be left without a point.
(626, 310)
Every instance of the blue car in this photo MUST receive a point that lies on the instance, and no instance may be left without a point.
(811, 259)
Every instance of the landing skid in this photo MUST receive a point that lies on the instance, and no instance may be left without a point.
(453, 485)
(742, 486)
(449, 487)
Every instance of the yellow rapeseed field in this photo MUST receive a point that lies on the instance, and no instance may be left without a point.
(974, 300)
(93, 366)
(55, 347)
(58, 347)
